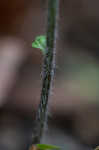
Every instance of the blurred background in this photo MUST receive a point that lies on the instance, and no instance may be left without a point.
(74, 107)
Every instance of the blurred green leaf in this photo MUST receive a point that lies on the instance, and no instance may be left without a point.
(47, 147)
(40, 42)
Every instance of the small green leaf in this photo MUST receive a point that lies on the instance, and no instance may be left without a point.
(47, 147)
(40, 42)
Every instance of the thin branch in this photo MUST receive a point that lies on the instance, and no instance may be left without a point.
(48, 71)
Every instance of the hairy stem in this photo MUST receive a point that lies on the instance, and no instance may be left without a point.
(48, 70)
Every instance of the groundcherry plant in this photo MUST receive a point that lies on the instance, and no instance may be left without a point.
(47, 44)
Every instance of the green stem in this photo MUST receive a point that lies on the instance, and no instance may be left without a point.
(48, 71)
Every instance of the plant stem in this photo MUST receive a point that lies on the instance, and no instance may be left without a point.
(48, 71)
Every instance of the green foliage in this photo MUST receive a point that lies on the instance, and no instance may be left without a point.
(40, 42)
(47, 147)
